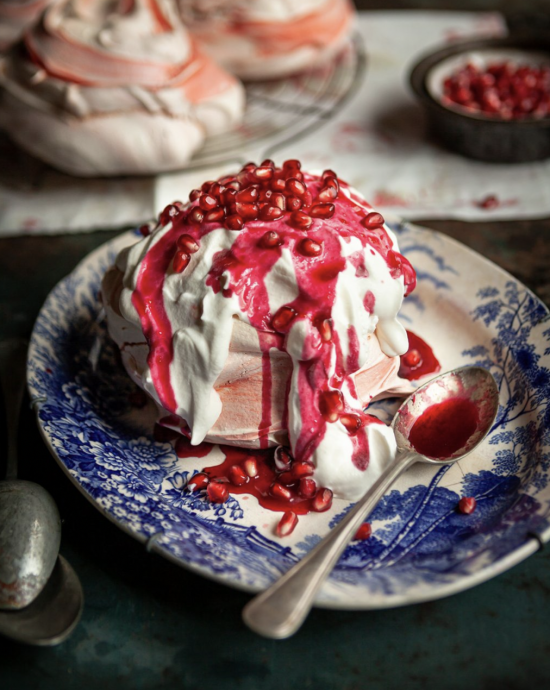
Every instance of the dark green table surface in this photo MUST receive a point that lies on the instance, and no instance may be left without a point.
(149, 624)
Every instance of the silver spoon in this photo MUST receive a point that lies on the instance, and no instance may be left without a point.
(30, 535)
(468, 394)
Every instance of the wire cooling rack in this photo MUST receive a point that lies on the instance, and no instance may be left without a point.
(281, 111)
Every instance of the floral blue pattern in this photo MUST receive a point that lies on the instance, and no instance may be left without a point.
(420, 544)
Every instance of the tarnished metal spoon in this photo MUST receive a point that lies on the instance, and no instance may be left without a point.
(30, 535)
(441, 422)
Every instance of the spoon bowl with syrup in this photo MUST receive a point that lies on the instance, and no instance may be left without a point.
(440, 423)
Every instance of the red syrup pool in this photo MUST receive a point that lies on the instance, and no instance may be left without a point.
(254, 472)
(419, 360)
(444, 428)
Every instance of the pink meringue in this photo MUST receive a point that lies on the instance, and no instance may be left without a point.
(97, 91)
(266, 39)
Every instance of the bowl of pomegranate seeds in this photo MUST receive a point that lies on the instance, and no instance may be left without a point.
(489, 99)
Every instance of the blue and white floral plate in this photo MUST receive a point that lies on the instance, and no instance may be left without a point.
(469, 310)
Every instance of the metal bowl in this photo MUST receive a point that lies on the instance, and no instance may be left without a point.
(473, 134)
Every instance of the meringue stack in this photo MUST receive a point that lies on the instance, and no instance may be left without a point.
(267, 39)
(103, 88)
(264, 312)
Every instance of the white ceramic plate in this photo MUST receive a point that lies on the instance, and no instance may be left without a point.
(469, 310)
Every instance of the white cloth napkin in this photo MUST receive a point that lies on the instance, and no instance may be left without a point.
(376, 142)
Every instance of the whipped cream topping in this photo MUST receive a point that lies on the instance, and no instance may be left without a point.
(322, 283)
(115, 87)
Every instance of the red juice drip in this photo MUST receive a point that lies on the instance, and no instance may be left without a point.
(444, 428)
(419, 360)
(148, 301)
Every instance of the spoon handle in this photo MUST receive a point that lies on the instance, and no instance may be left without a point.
(281, 609)
(13, 361)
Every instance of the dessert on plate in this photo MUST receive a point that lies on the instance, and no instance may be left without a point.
(15, 17)
(266, 39)
(106, 88)
(263, 314)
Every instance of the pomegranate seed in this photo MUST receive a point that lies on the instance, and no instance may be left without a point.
(198, 482)
(322, 211)
(302, 469)
(234, 222)
(352, 422)
(467, 505)
(243, 178)
(372, 220)
(412, 358)
(264, 172)
(237, 475)
(268, 162)
(270, 239)
(292, 164)
(307, 199)
(287, 478)
(232, 184)
(196, 215)
(283, 459)
(278, 200)
(181, 259)
(145, 230)
(278, 185)
(328, 193)
(325, 330)
(265, 195)
(169, 213)
(279, 491)
(215, 215)
(218, 492)
(309, 247)
(295, 187)
(187, 244)
(248, 195)
(293, 203)
(322, 500)
(229, 196)
(307, 487)
(250, 466)
(194, 194)
(287, 524)
(247, 211)
(300, 220)
(217, 190)
(205, 187)
(269, 213)
(329, 173)
(282, 319)
(331, 403)
(363, 532)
